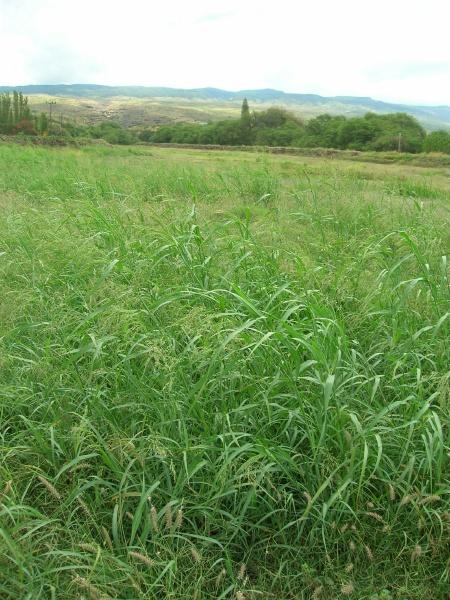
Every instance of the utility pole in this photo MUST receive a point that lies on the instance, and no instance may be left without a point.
(51, 103)
(400, 141)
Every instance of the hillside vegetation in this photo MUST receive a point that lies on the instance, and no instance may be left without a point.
(272, 127)
(277, 127)
(139, 105)
(223, 375)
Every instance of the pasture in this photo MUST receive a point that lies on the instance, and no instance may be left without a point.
(222, 375)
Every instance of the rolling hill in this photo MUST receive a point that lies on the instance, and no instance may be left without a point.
(139, 105)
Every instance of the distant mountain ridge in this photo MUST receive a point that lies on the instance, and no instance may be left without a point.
(432, 117)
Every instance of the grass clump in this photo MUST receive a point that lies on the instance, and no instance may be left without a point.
(205, 394)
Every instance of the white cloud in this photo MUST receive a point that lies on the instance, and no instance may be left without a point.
(393, 50)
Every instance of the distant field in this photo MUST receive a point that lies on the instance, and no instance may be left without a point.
(222, 375)
(130, 112)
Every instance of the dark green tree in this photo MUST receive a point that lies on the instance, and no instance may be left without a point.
(246, 123)
(245, 111)
(43, 123)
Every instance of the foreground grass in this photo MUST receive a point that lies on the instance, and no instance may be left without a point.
(222, 376)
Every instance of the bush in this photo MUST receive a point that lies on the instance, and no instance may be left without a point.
(437, 141)
(279, 127)
(113, 133)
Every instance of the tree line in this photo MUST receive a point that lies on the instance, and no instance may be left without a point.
(279, 127)
(271, 127)
(15, 114)
(16, 118)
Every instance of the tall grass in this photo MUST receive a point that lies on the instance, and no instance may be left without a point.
(220, 380)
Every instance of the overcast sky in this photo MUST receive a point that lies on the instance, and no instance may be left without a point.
(396, 50)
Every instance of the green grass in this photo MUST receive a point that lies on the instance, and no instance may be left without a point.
(222, 375)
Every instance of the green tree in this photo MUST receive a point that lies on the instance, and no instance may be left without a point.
(323, 131)
(391, 126)
(6, 117)
(245, 112)
(437, 141)
(16, 113)
(112, 132)
(42, 126)
(357, 133)
(14, 110)
(246, 124)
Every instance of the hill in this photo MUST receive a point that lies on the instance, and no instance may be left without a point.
(138, 105)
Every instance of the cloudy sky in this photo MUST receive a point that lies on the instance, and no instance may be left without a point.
(396, 50)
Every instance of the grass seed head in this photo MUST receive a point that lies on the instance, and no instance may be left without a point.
(143, 558)
(168, 516)
(317, 592)
(107, 538)
(6, 490)
(50, 488)
(369, 553)
(195, 554)
(347, 589)
(92, 590)
(220, 577)
(84, 507)
(89, 548)
(154, 519)
(430, 499)
(375, 516)
(79, 467)
(391, 492)
(241, 573)
(179, 519)
(416, 553)
(136, 585)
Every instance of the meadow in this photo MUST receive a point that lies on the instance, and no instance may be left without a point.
(222, 375)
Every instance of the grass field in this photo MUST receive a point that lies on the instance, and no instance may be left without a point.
(131, 112)
(150, 112)
(222, 375)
